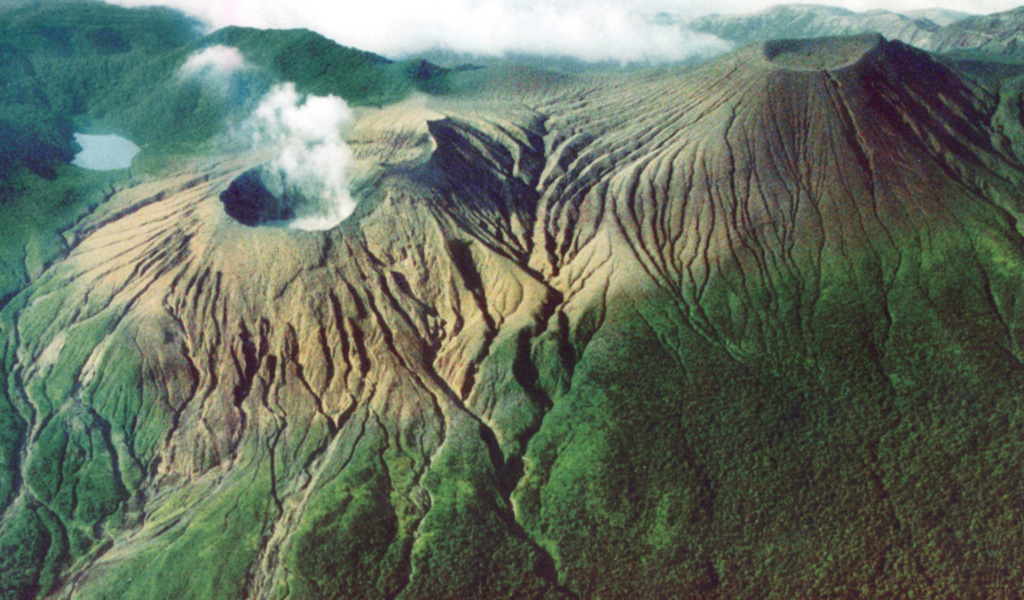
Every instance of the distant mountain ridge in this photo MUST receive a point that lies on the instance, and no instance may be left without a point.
(809, 21)
(940, 16)
(997, 35)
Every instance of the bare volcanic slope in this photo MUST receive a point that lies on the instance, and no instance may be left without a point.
(748, 330)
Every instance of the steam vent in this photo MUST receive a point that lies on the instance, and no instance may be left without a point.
(732, 327)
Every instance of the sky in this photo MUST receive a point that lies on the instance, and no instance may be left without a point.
(588, 29)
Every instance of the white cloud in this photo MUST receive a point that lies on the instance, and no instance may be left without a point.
(215, 67)
(219, 61)
(589, 29)
(694, 8)
(312, 157)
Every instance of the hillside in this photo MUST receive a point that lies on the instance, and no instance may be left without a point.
(994, 37)
(997, 35)
(813, 21)
(745, 330)
(940, 16)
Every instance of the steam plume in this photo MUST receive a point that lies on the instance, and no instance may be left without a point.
(218, 60)
(216, 68)
(309, 171)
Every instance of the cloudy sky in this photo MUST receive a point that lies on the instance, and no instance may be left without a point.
(589, 29)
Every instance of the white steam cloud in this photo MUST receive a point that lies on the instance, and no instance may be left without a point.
(219, 60)
(214, 67)
(310, 168)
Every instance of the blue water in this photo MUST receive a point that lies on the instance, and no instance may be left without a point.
(104, 152)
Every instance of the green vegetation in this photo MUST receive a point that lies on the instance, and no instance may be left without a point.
(321, 67)
(57, 63)
(352, 541)
(36, 210)
(207, 556)
(108, 68)
(25, 542)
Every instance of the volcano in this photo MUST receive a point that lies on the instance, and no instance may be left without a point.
(752, 329)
